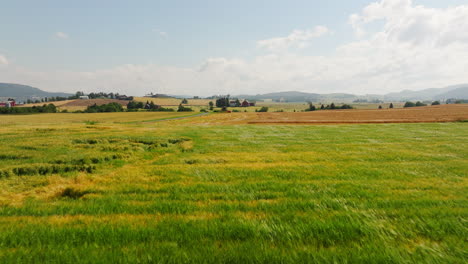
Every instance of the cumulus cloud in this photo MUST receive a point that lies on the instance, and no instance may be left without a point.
(297, 39)
(61, 35)
(414, 47)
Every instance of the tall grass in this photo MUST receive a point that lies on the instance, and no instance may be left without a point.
(176, 193)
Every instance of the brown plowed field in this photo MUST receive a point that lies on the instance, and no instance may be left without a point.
(429, 114)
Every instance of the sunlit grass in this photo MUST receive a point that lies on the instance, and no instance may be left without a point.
(177, 192)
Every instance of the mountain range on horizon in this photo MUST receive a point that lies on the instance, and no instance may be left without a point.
(449, 92)
(24, 92)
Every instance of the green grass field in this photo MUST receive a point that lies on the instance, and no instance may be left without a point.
(109, 188)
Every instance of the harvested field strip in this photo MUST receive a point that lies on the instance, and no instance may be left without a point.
(322, 122)
(430, 114)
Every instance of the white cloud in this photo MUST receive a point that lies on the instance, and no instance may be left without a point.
(414, 47)
(61, 35)
(297, 39)
(3, 60)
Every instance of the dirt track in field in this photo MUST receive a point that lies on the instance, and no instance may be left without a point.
(429, 114)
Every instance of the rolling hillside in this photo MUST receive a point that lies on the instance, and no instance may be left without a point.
(21, 92)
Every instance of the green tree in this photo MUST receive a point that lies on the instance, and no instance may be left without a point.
(311, 107)
(409, 104)
(222, 101)
(346, 106)
(184, 101)
(391, 106)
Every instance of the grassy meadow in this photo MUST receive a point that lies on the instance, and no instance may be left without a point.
(130, 188)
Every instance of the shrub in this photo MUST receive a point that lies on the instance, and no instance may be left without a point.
(436, 103)
(418, 103)
(72, 193)
(346, 106)
(263, 109)
(184, 109)
(162, 109)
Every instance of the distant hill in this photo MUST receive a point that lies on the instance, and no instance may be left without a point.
(458, 93)
(291, 96)
(22, 92)
(294, 96)
(455, 92)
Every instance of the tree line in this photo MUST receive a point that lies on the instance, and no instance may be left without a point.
(46, 108)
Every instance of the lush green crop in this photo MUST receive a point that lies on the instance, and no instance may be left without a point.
(169, 192)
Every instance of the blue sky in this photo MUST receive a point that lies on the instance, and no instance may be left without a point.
(47, 36)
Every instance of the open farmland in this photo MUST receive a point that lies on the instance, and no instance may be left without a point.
(129, 187)
(442, 113)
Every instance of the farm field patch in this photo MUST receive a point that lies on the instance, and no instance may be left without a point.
(443, 113)
(112, 187)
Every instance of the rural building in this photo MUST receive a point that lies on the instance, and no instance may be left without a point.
(84, 97)
(232, 103)
(8, 104)
(245, 103)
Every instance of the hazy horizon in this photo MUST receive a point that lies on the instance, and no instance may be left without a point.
(221, 47)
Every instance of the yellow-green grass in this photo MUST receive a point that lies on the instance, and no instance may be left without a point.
(116, 190)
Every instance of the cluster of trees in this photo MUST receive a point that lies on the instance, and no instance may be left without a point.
(105, 95)
(331, 106)
(106, 108)
(77, 96)
(223, 101)
(49, 108)
(150, 106)
(411, 104)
